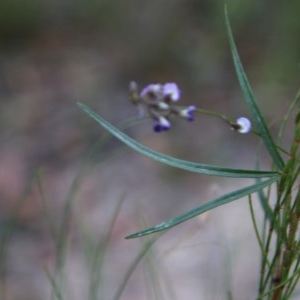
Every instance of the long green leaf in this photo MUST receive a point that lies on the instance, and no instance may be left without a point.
(171, 161)
(203, 208)
(250, 100)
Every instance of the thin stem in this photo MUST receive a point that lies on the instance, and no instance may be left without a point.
(214, 114)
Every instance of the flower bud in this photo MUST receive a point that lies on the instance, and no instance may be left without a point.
(161, 124)
(243, 125)
(133, 92)
(188, 113)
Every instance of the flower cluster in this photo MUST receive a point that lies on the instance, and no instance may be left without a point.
(160, 101)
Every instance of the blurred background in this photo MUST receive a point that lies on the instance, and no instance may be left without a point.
(56, 53)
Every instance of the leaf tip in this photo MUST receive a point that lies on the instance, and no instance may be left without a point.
(138, 234)
(131, 236)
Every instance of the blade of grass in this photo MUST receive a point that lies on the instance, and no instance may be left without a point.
(264, 200)
(153, 277)
(7, 230)
(256, 231)
(55, 288)
(203, 208)
(133, 266)
(101, 249)
(250, 100)
(171, 161)
(62, 238)
(287, 115)
(156, 283)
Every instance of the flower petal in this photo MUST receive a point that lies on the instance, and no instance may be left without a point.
(172, 91)
(153, 88)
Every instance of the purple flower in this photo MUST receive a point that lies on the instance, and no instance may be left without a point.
(171, 91)
(188, 113)
(161, 124)
(159, 100)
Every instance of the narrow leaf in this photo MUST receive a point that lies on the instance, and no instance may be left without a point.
(171, 161)
(250, 100)
(203, 208)
(287, 115)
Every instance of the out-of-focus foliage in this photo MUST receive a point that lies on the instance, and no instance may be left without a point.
(18, 18)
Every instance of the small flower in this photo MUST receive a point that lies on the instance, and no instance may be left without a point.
(159, 100)
(243, 125)
(161, 124)
(188, 113)
(171, 91)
